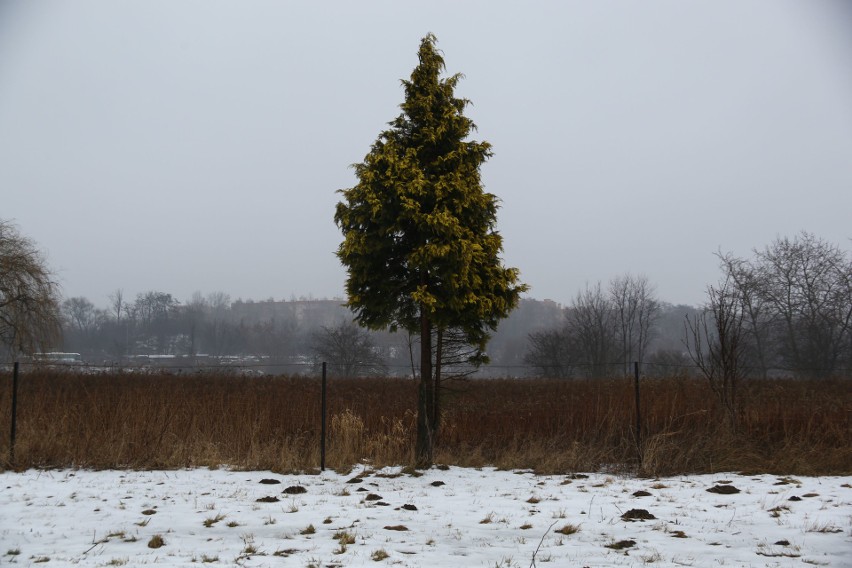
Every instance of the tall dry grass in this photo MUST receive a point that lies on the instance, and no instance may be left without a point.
(167, 421)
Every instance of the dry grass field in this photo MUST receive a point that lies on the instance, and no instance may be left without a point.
(551, 426)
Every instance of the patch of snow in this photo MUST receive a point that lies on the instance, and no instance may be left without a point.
(476, 518)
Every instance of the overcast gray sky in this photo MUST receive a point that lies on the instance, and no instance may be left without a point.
(183, 146)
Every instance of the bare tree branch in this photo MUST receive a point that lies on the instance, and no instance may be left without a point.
(29, 297)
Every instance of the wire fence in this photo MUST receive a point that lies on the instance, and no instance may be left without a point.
(185, 365)
(75, 366)
(631, 373)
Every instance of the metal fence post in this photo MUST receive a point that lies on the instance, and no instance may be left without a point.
(638, 413)
(323, 412)
(14, 415)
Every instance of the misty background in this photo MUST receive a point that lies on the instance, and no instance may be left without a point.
(196, 147)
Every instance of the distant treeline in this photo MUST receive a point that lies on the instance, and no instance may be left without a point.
(301, 332)
(784, 311)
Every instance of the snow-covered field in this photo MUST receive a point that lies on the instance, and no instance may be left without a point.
(452, 517)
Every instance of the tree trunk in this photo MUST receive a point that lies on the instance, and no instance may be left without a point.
(436, 389)
(411, 356)
(424, 394)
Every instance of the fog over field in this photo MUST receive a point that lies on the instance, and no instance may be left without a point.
(198, 146)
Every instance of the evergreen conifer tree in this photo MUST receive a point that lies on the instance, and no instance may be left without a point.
(420, 244)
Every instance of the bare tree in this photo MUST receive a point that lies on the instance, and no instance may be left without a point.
(218, 331)
(83, 324)
(806, 281)
(80, 314)
(219, 303)
(116, 300)
(155, 313)
(592, 325)
(195, 314)
(550, 353)
(120, 342)
(759, 317)
(349, 351)
(636, 308)
(716, 346)
(29, 298)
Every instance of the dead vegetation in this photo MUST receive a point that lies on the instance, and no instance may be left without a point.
(788, 427)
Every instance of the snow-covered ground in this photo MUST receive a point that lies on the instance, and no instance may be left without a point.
(453, 517)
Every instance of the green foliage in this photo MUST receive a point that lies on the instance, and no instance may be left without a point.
(419, 229)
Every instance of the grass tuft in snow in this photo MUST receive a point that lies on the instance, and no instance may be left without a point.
(210, 521)
(568, 530)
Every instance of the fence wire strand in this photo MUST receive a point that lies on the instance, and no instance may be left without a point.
(402, 369)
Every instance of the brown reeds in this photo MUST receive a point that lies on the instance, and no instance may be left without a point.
(273, 423)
